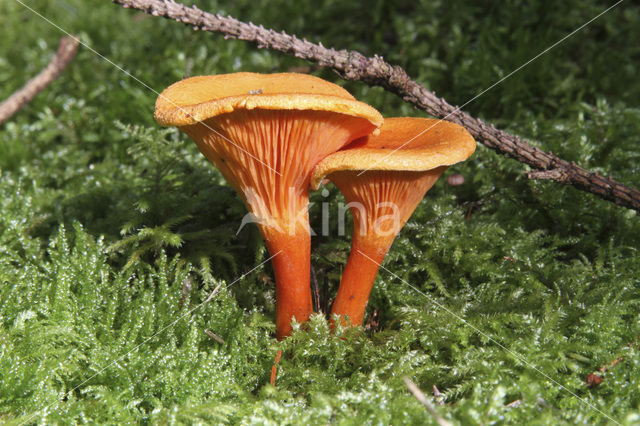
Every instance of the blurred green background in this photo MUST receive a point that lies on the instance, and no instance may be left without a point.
(113, 231)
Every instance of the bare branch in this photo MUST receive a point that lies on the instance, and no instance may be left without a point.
(66, 51)
(352, 65)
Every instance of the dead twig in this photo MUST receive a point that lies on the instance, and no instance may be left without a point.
(438, 396)
(315, 292)
(375, 71)
(214, 336)
(274, 369)
(66, 51)
(594, 379)
(373, 321)
(515, 404)
(417, 393)
(213, 293)
(186, 288)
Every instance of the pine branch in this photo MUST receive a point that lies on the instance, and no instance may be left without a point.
(375, 71)
(66, 51)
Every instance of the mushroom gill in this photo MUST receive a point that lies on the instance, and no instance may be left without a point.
(265, 133)
(383, 179)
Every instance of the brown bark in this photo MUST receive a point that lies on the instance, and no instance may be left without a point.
(374, 71)
(66, 51)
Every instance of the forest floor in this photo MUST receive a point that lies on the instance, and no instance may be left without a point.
(505, 294)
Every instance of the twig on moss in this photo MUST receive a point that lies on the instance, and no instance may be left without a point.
(274, 368)
(315, 292)
(514, 404)
(375, 71)
(439, 397)
(417, 393)
(214, 336)
(594, 379)
(66, 51)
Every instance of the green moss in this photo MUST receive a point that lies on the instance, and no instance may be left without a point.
(113, 232)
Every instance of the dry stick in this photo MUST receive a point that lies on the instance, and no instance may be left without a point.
(352, 65)
(417, 393)
(274, 369)
(594, 379)
(315, 291)
(66, 51)
(214, 336)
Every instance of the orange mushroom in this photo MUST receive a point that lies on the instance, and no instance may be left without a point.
(383, 178)
(265, 133)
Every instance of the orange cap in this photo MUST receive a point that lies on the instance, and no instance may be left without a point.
(403, 144)
(265, 133)
(195, 99)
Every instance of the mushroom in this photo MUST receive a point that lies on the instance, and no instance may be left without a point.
(265, 133)
(383, 178)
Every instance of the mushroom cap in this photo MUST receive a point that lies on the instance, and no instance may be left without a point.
(403, 144)
(195, 99)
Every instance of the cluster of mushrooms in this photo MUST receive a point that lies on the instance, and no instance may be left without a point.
(275, 136)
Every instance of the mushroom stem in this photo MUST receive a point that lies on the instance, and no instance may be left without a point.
(265, 134)
(291, 258)
(381, 203)
(358, 278)
(383, 177)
